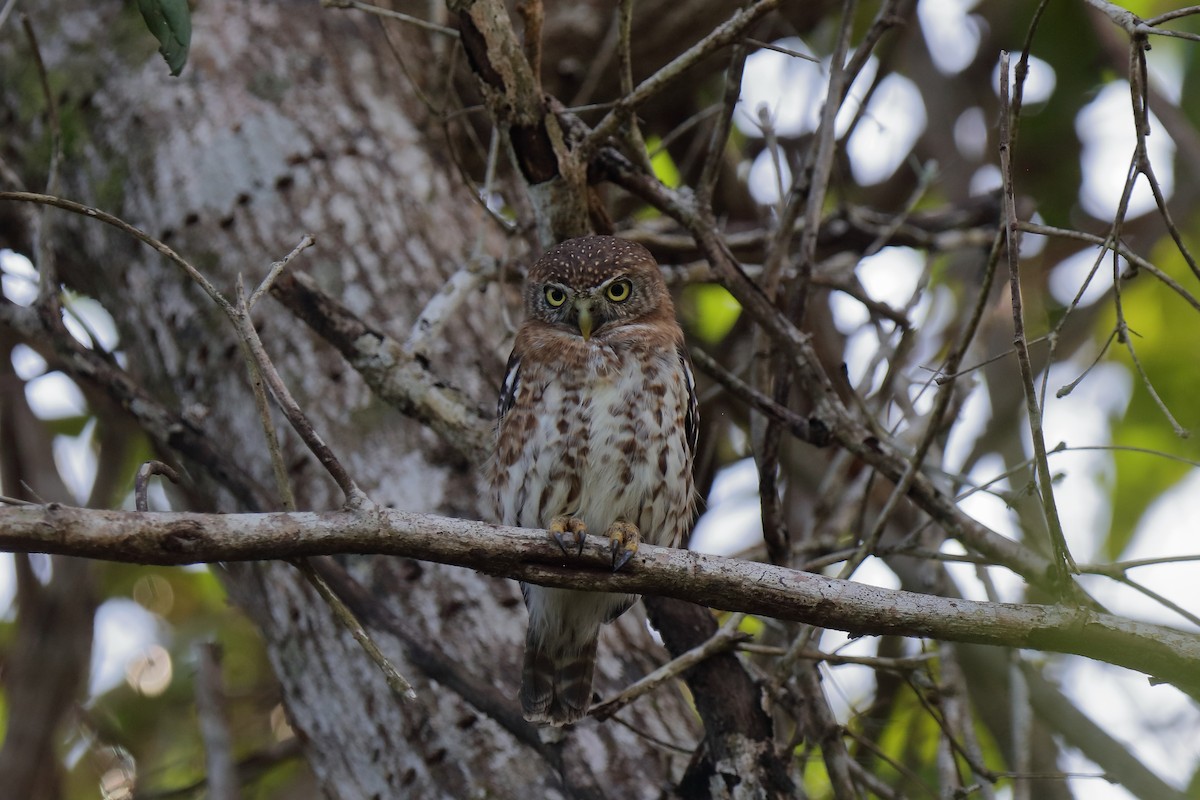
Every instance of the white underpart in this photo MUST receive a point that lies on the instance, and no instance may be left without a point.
(617, 397)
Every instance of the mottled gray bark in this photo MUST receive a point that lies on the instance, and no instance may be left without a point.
(292, 119)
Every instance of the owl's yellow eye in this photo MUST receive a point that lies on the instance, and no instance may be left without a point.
(555, 296)
(619, 291)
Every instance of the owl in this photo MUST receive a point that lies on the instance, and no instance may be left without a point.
(596, 433)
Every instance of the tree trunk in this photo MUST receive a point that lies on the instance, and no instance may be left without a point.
(291, 119)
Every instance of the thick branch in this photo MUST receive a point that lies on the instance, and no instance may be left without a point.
(398, 378)
(1167, 654)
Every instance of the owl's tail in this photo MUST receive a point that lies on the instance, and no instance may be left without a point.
(556, 684)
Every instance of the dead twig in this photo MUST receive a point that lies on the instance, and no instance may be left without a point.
(388, 13)
(726, 638)
(345, 617)
(1064, 564)
(141, 481)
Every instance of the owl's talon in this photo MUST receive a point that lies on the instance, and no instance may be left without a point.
(624, 538)
(561, 526)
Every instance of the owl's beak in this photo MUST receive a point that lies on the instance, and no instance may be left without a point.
(586, 322)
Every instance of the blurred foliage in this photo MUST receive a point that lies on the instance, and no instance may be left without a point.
(160, 730)
(662, 163)
(1161, 326)
(708, 311)
(146, 726)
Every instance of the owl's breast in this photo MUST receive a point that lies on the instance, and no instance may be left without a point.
(604, 442)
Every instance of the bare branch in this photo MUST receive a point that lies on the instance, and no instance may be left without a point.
(291, 409)
(345, 617)
(277, 269)
(388, 13)
(725, 639)
(1064, 564)
(403, 380)
(723, 35)
(1165, 653)
(168, 429)
(122, 225)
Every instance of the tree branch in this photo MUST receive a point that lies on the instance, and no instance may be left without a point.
(403, 380)
(1167, 654)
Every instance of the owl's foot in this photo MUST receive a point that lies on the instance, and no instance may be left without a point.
(625, 538)
(561, 526)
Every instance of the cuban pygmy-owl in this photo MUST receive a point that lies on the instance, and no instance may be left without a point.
(596, 432)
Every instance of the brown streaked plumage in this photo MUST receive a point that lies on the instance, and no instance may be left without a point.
(596, 430)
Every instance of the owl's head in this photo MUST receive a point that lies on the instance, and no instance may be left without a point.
(593, 284)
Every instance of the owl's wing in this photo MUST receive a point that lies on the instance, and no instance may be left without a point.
(508, 392)
(691, 418)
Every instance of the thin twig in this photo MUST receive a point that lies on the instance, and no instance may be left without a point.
(1179, 430)
(786, 51)
(141, 481)
(277, 268)
(1170, 15)
(1166, 602)
(122, 225)
(901, 768)
(1064, 564)
(941, 376)
(355, 497)
(809, 430)
(48, 291)
(283, 484)
(1107, 243)
(957, 722)
(1066, 389)
(1022, 71)
(600, 64)
(725, 639)
(390, 14)
(395, 681)
(1120, 567)
(899, 664)
(719, 137)
(724, 34)
(1171, 34)
(633, 133)
(938, 717)
(820, 164)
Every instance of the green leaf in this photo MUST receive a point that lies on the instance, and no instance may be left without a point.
(664, 166)
(171, 23)
(709, 311)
